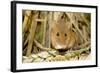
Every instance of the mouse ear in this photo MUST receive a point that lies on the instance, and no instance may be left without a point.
(53, 24)
(69, 25)
(63, 17)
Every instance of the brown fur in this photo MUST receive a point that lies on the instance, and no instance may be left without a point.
(62, 34)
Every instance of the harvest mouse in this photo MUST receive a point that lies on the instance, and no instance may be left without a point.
(62, 36)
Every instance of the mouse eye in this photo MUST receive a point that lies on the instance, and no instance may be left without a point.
(65, 34)
(57, 34)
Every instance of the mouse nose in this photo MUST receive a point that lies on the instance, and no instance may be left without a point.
(63, 47)
(60, 47)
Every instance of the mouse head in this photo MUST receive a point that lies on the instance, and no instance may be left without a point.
(60, 33)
